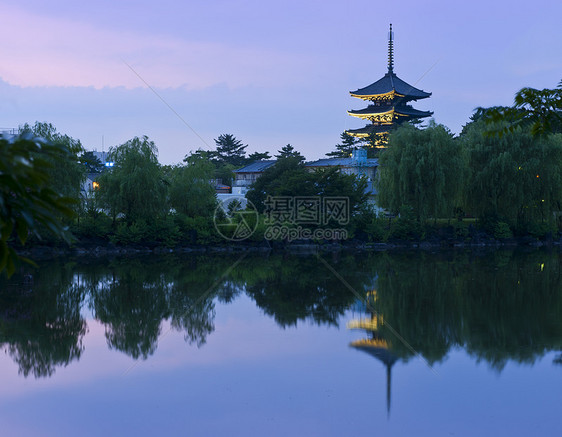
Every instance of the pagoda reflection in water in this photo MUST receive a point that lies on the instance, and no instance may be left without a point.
(375, 344)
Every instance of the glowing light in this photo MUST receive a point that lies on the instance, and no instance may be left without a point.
(368, 324)
(542, 267)
(95, 185)
(371, 342)
(374, 97)
(537, 175)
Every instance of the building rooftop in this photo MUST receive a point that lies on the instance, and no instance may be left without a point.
(256, 167)
(341, 162)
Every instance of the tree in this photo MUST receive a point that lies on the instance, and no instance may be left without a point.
(540, 111)
(134, 187)
(289, 151)
(289, 177)
(230, 150)
(91, 162)
(28, 203)
(259, 156)
(345, 148)
(515, 177)
(422, 169)
(191, 192)
(66, 175)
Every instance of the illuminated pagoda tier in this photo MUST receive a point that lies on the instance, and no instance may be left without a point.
(388, 107)
(375, 345)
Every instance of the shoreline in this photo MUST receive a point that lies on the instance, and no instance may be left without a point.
(109, 249)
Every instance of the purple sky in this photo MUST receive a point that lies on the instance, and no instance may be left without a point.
(270, 73)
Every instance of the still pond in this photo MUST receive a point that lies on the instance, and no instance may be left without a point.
(394, 344)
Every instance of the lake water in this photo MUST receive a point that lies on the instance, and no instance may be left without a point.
(401, 344)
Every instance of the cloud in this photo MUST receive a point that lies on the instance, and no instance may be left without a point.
(53, 51)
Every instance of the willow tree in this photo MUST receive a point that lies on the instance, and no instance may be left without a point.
(135, 187)
(515, 177)
(421, 169)
(191, 191)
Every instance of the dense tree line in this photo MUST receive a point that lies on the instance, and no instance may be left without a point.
(505, 168)
(137, 200)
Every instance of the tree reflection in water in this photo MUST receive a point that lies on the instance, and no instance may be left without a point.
(498, 306)
(41, 326)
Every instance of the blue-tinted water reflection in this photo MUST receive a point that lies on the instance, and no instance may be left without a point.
(148, 346)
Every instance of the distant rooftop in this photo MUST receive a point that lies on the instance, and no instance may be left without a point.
(341, 162)
(256, 167)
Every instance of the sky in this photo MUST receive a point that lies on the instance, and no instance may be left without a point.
(269, 72)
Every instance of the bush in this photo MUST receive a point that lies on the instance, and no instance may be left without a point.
(541, 229)
(137, 232)
(502, 231)
(167, 232)
(96, 228)
(196, 230)
(405, 227)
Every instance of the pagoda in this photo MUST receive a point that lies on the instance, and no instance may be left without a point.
(375, 344)
(388, 107)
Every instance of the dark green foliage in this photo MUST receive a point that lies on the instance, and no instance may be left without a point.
(422, 169)
(135, 186)
(91, 162)
(96, 228)
(197, 230)
(65, 171)
(405, 226)
(259, 156)
(537, 111)
(289, 151)
(367, 226)
(502, 306)
(289, 177)
(515, 178)
(502, 231)
(345, 147)
(230, 150)
(42, 326)
(191, 192)
(28, 203)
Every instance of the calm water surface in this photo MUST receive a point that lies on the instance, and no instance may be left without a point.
(457, 343)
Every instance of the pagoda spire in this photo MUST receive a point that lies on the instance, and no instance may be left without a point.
(390, 50)
(388, 104)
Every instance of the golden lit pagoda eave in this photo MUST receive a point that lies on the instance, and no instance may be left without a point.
(371, 342)
(378, 97)
(381, 117)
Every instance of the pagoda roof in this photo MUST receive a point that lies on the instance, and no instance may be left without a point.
(404, 110)
(393, 86)
(382, 354)
(371, 129)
